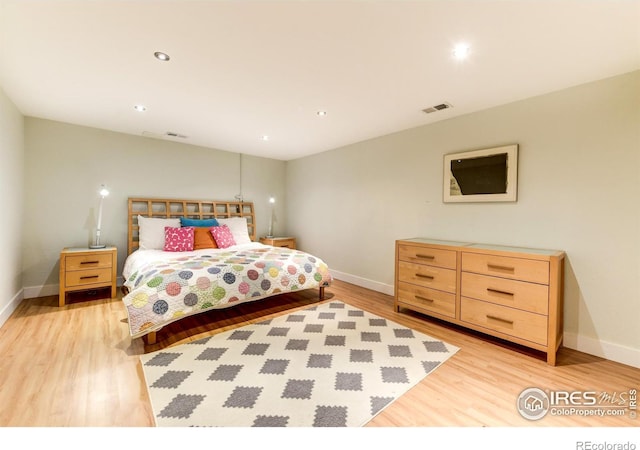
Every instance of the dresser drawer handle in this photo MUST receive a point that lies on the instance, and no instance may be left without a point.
(424, 299)
(428, 277)
(500, 319)
(418, 255)
(498, 291)
(89, 262)
(497, 267)
(89, 276)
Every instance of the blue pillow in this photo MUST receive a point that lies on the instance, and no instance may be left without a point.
(186, 222)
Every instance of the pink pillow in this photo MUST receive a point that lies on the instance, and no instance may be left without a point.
(223, 236)
(178, 239)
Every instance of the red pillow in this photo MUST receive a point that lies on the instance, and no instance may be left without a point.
(223, 236)
(178, 239)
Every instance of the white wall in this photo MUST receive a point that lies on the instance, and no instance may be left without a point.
(11, 198)
(66, 164)
(578, 190)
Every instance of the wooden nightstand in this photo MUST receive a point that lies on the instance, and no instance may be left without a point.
(84, 269)
(289, 242)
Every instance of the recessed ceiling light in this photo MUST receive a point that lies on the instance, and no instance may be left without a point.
(161, 56)
(140, 108)
(461, 51)
(321, 113)
(265, 138)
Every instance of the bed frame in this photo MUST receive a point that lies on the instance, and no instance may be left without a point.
(193, 209)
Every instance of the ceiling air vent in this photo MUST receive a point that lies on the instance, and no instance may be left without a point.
(168, 134)
(175, 135)
(439, 107)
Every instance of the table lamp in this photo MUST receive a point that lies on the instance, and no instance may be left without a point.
(272, 200)
(103, 193)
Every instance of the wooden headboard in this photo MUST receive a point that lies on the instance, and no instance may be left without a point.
(194, 209)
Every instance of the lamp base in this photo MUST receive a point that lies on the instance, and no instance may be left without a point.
(97, 246)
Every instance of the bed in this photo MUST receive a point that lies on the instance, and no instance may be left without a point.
(166, 279)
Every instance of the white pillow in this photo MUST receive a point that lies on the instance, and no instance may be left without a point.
(151, 234)
(239, 229)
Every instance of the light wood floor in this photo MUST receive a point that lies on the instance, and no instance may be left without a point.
(77, 366)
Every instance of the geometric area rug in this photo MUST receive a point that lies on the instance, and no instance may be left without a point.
(330, 365)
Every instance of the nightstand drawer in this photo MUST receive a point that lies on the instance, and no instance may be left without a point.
(506, 267)
(86, 277)
(429, 256)
(427, 276)
(438, 302)
(513, 322)
(82, 262)
(285, 242)
(288, 243)
(517, 294)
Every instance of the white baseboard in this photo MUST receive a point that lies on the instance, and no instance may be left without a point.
(363, 282)
(607, 350)
(41, 291)
(6, 312)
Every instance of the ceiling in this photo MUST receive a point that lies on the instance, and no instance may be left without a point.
(241, 70)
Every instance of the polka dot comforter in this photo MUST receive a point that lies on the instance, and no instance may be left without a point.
(170, 288)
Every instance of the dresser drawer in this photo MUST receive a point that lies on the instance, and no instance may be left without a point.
(427, 299)
(87, 277)
(430, 256)
(81, 262)
(427, 276)
(506, 267)
(517, 294)
(513, 322)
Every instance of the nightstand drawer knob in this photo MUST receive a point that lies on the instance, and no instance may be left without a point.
(89, 262)
(89, 276)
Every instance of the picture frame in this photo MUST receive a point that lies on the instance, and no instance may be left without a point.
(485, 175)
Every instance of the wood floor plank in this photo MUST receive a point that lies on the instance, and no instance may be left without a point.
(77, 366)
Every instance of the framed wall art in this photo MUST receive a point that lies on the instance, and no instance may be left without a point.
(486, 175)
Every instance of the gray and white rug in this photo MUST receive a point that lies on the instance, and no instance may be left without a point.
(331, 365)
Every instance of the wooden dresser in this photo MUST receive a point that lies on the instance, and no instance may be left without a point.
(512, 293)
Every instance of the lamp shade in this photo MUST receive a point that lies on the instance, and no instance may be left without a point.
(103, 193)
(272, 200)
